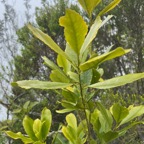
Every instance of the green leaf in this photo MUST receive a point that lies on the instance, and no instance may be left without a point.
(70, 96)
(27, 84)
(28, 127)
(65, 110)
(86, 77)
(94, 62)
(91, 35)
(133, 113)
(69, 133)
(47, 40)
(51, 64)
(32, 104)
(119, 112)
(19, 136)
(105, 118)
(73, 76)
(82, 128)
(111, 6)
(46, 119)
(64, 63)
(57, 76)
(92, 141)
(89, 6)
(130, 125)
(98, 23)
(106, 20)
(89, 96)
(71, 120)
(118, 81)
(95, 76)
(26, 105)
(109, 136)
(59, 139)
(36, 128)
(95, 120)
(68, 104)
(38, 142)
(72, 55)
(75, 29)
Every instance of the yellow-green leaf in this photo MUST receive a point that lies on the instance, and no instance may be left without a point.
(54, 67)
(28, 127)
(88, 5)
(117, 81)
(111, 6)
(46, 119)
(39, 142)
(109, 136)
(56, 76)
(64, 63)
(73, 76)
(72, 55)
(94, 62)
(64, 110)
(47, 40)
(50, 64)
(98, 23)
(105, 118)
(69, 134)
(133, 113)
(37, 129)
(27, 84)
(95, 120)
(19, 136)
(75, 29)
(71, 120)
(119, 112)
(91, 35)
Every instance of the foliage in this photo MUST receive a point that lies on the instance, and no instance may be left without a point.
(36, 130)
(78, 76)
(126, 31)
(2, 138)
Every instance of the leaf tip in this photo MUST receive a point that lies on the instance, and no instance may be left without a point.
(14, 84)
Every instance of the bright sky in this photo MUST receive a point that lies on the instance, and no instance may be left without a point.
(20, 8)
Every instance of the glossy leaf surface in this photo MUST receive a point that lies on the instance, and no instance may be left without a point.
(57, 76)
(75, 29)
(46, 119)
(27, 84)
(47, 40)
(111, 6)
(119, 112)
(98, 23)
(105, 118)
(94, 62)
(118, 81)
(133, 113)
(28, 127)
(64, 63)
(89, 6)
(19, 136)
(91, 35)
